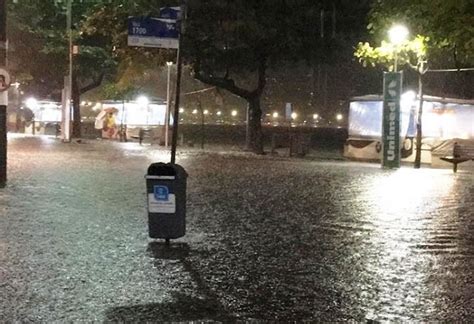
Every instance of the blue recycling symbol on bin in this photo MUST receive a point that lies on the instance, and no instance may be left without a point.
(161, 193)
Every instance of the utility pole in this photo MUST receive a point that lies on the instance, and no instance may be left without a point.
(179, 68)
(3, 95)
(66, 118)
(168, 104)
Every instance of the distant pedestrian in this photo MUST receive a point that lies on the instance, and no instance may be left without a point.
(110, 128)
(3, 82)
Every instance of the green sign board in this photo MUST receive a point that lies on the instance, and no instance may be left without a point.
(392, 88)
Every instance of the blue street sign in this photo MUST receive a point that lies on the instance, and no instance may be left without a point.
(170, 12)
(161, 193)
(153, 32)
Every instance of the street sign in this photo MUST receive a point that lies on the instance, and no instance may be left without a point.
(153, 32)
(392, 88)
(4, 80)
(170, 13)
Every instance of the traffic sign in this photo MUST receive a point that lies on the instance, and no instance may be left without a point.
(153, 32)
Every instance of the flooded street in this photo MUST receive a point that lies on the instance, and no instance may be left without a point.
(268, 239)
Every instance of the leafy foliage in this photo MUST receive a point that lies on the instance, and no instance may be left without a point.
(411, 53)
(448, 24)
(40, 46)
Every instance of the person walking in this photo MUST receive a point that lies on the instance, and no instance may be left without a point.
(110, 127)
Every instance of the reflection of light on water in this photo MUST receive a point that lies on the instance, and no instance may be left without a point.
(402, 206)
(407, 191)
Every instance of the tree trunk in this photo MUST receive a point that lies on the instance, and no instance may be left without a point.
(76, 109)
(255, 125)
(418, 123)
(76, 101)
(254, 141)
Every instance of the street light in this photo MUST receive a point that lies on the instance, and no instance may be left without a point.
(31, 103)
(397, 34)
(234, 113)
(339, 117)
(142, 101)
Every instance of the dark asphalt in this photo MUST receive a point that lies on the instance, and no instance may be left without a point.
(268, 239)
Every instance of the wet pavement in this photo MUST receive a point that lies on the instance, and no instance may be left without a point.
(268, 239)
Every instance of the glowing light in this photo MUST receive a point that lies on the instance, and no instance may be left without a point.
(409, 95)
(219, 113)
(83, 103)
(275, 115)
(143, 101)
(339, 117)
(234, 113)
(398, 34)
(31, 103)
(294, 115)
(169, 63)
(390, 190)
(315, 116)
(195, 111)
(206, 112)
(408, 101)
(181, 110)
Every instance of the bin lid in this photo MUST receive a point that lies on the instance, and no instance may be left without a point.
(166, 169)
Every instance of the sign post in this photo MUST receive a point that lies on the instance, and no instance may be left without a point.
(4, 84)
(392, 88)
(153, 32)
(163, 32)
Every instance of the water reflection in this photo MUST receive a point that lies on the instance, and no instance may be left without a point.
(401, 194)
(403, 207)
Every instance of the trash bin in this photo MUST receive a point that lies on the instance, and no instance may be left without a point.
(166, 197)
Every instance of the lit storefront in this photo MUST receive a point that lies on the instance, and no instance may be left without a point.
(443, 120)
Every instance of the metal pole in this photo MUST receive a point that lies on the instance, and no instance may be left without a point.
(247, 129)
(395, 68)
(67, 105)
(3, 105)
(168, 94)
(179, 63)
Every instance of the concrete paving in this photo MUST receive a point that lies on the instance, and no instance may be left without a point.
(268, 239)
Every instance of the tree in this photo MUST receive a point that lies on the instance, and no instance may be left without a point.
(233, 44)
(39, 41)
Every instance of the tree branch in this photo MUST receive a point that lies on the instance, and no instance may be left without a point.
(262, 68)
(94, 84)
(224, 83)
